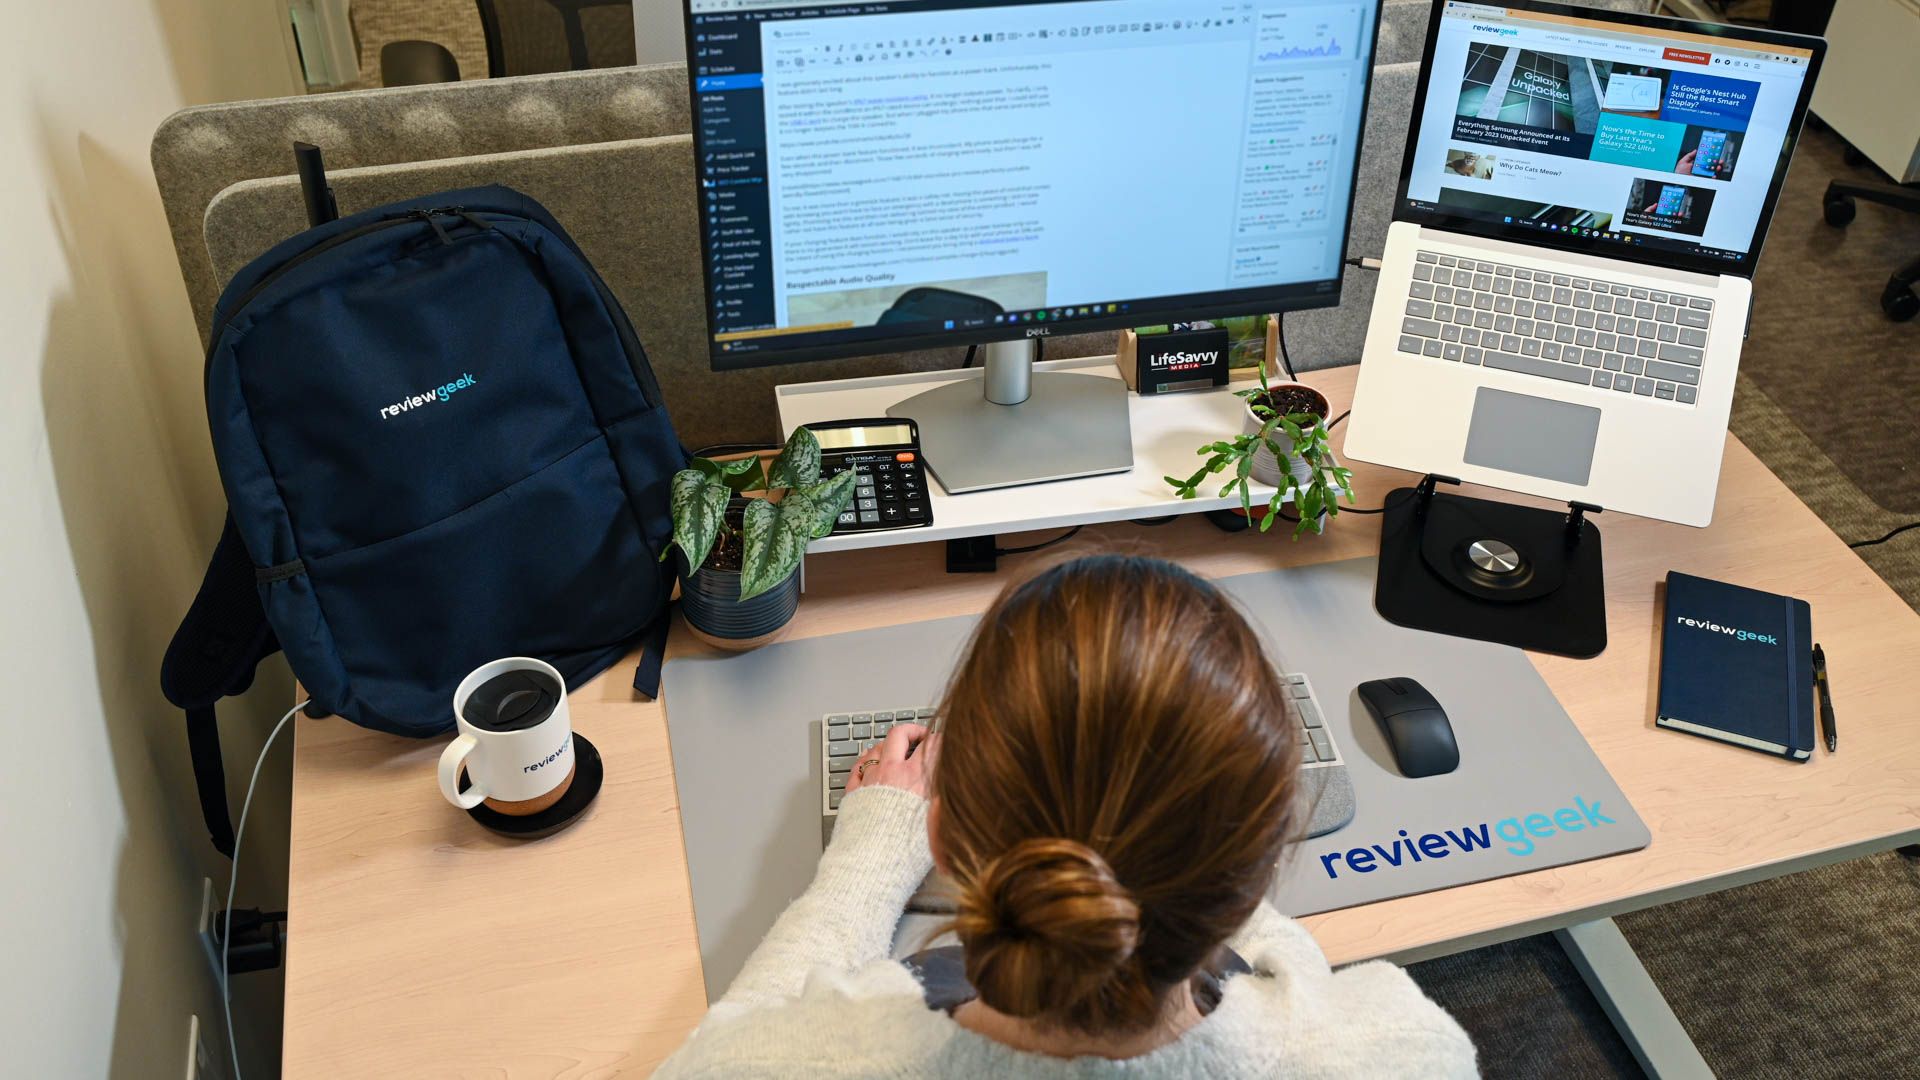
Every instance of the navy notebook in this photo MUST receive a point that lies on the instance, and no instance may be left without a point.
(1736, 665)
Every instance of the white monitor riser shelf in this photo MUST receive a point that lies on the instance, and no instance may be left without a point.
(1167, 430)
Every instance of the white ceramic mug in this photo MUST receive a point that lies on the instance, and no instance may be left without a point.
(520, 771)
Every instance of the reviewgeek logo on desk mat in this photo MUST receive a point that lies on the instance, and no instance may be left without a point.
(1520, 835)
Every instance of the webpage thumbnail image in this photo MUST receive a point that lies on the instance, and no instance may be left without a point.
(1656, 204)
(1648, 118)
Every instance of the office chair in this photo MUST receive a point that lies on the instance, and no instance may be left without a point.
(1901, 298)
(415, 63)
(535, 37)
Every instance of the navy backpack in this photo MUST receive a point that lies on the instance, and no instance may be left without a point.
(441, 444)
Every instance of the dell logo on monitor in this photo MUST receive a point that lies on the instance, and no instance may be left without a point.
(1039, 331)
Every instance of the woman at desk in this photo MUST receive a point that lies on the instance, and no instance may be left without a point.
(1110, 792)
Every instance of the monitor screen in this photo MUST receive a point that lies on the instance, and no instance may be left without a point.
(1653, 139)
(901, 174)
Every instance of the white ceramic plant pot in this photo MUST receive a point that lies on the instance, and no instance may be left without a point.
(1266, 468)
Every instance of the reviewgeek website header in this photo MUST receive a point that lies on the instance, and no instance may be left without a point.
(1651, 43)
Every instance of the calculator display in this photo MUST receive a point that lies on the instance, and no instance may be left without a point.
(848, 438)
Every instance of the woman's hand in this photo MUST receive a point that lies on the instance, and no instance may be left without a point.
(904, 760)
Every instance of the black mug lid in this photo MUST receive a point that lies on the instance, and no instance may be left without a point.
(512, 701)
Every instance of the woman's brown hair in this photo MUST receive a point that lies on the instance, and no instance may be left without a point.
(1116, 782)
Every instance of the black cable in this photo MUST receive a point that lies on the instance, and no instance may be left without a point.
(732, 448)
(1280, 334)
(972, 351)
(1156, 522)
(1061, 539)
(1889, 536)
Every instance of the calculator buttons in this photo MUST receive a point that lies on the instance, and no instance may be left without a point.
(889, 492)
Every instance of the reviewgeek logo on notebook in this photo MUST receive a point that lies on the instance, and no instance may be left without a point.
(1521, 835)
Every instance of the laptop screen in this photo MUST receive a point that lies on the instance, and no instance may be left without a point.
(1651, 139)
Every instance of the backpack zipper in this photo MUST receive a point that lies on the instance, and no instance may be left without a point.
(278, 272)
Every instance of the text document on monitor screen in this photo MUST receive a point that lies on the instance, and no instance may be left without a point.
(876, 169)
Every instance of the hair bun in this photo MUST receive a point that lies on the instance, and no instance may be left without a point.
(1048, 929)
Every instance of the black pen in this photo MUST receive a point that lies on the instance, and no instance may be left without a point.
(1826, 698)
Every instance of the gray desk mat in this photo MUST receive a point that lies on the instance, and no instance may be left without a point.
(1529, 792)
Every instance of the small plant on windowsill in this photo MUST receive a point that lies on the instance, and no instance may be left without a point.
(1283, 422)
(741, 579)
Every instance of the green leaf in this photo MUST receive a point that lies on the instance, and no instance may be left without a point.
(699, 506)
(739, 474)
(828, 502)
(1292, 429)
(776, 540)
(798, 465)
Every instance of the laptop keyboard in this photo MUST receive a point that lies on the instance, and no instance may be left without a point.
(845, 735)
(1596, 333)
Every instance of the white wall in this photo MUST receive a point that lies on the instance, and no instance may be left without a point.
(659, 31)
(108, 506)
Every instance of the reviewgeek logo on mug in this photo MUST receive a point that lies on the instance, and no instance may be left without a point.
(515, 738)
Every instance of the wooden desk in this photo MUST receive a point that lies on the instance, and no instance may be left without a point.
(420, 945)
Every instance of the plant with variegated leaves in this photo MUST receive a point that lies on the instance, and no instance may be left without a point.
(774, 531)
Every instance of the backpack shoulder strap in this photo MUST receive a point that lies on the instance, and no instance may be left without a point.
(220, 643)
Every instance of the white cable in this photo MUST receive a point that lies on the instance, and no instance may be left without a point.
(226, 932)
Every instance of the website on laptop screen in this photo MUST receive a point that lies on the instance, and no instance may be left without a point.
(1639, 136)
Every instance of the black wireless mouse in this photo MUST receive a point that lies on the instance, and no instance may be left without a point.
(1416, 726)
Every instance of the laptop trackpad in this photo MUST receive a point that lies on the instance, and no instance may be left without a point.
(1552, 440)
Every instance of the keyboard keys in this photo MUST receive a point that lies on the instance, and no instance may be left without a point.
(1674, 373)
(1556, 326)
(1529, 366)
(1322, 746)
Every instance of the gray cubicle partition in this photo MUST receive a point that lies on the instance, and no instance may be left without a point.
(608, 152)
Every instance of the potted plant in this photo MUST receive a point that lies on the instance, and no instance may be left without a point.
(740, 582)
(1282, 422)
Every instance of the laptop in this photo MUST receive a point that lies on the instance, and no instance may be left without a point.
(1565, 317)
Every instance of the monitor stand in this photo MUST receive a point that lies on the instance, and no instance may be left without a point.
(1017, 426)
(1492, 571)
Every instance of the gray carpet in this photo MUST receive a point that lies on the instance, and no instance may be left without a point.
(1815, 974)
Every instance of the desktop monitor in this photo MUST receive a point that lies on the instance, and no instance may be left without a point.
(907, 174)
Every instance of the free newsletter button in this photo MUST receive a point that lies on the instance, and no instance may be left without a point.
(1687, 56)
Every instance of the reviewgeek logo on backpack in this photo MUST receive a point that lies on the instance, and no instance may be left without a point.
(438, 393)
